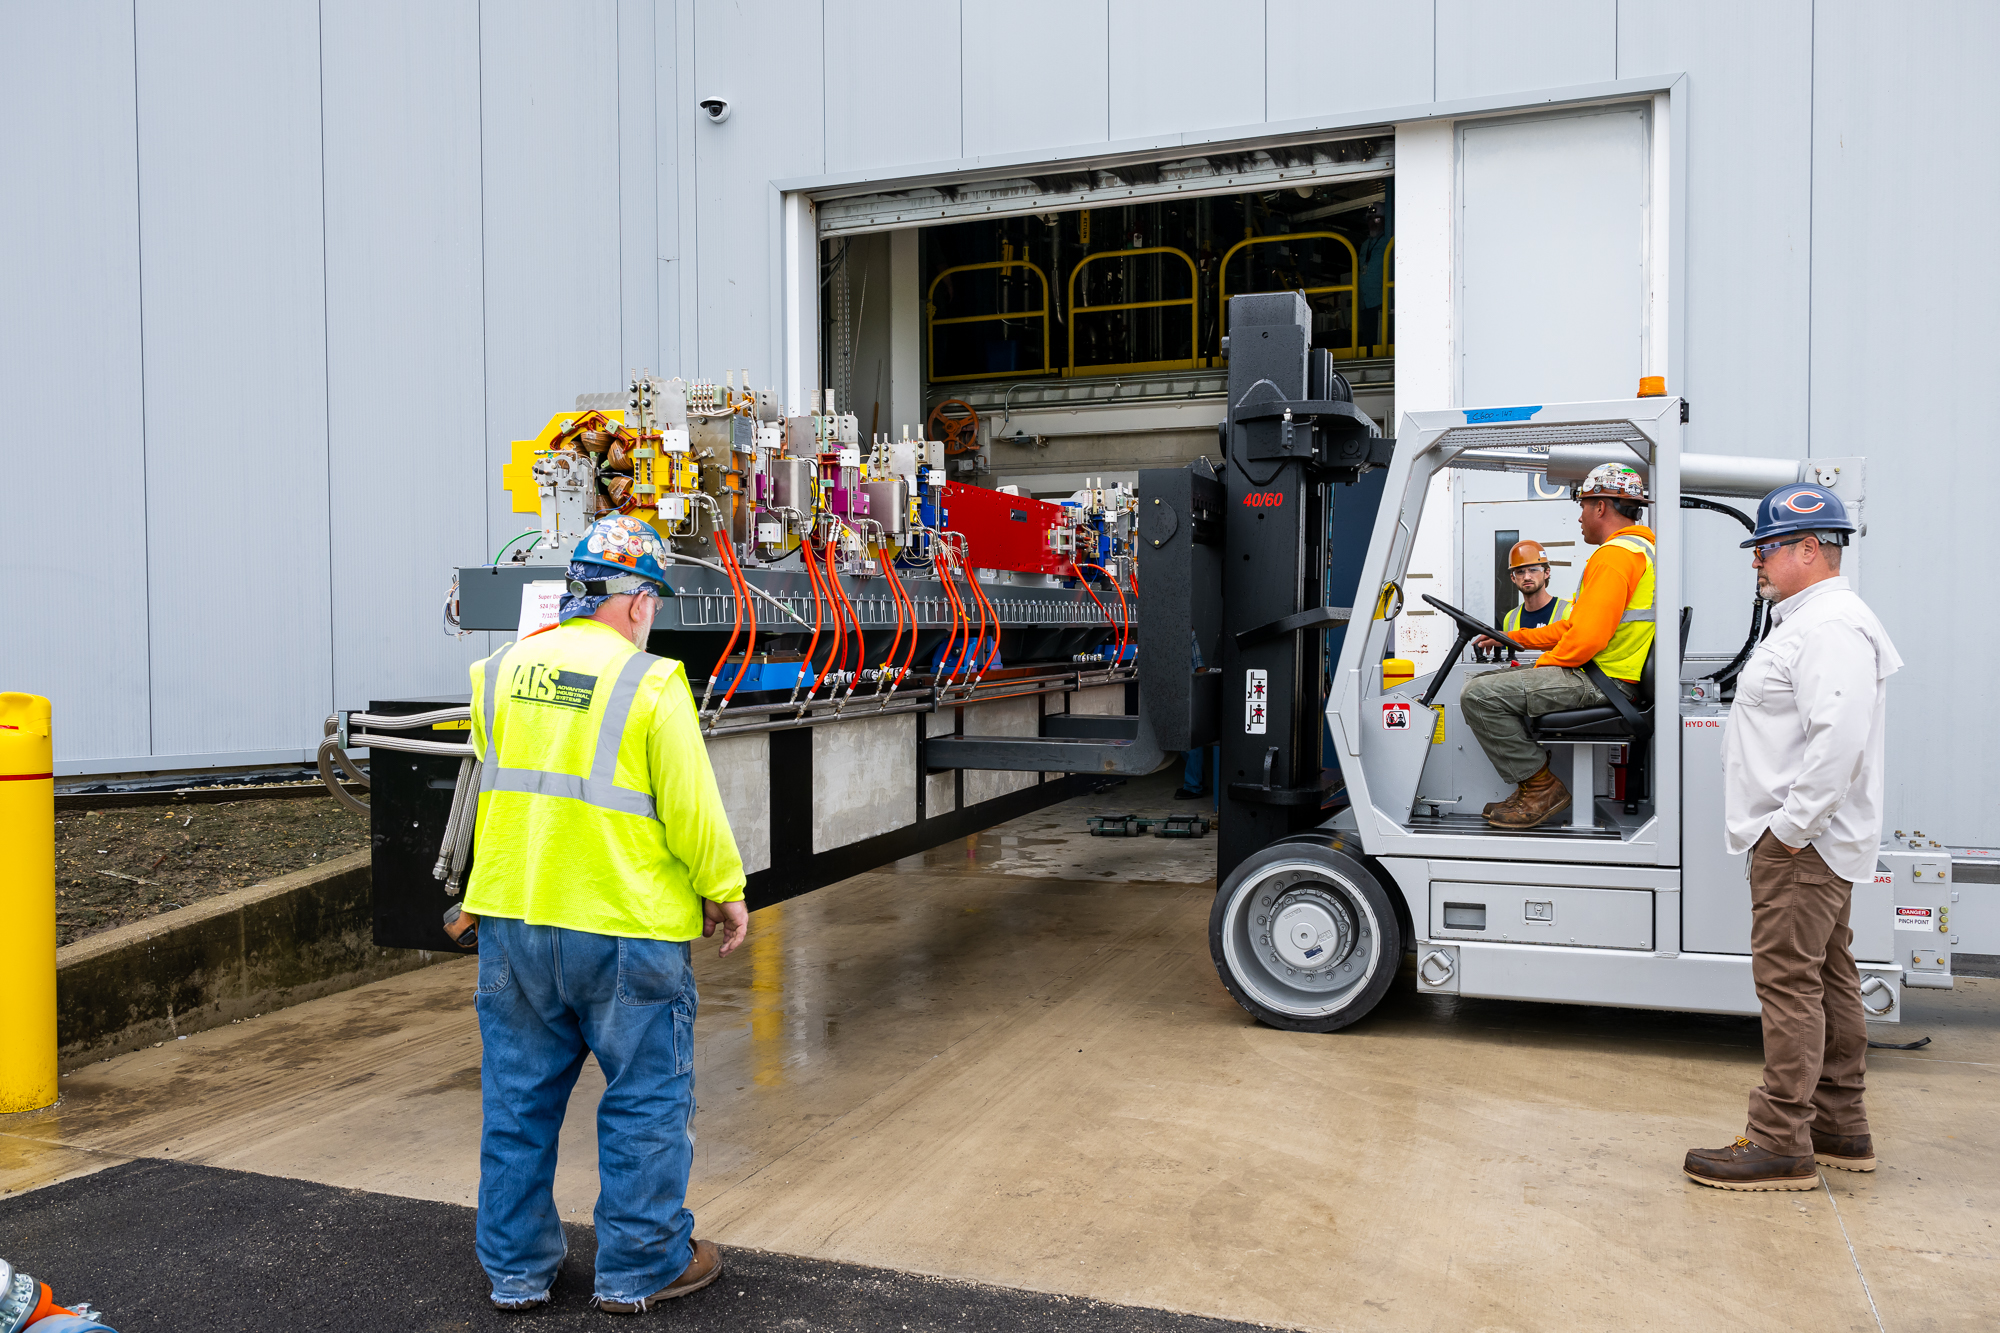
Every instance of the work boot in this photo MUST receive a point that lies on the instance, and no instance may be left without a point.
(702, 1269)
(1534, 801)
(1745, 1166)
(1844, 1152)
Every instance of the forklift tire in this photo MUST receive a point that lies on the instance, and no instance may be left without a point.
(1304, 937)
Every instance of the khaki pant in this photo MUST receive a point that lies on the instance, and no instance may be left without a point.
(1815, 1034)
(1498, 704)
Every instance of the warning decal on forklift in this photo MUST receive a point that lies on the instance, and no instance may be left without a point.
(1395, 716)
(1916, 918)
(1256, 695)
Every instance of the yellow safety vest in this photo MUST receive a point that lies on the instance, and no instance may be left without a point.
(598, 810)
(1625, 656)
(1512, 620)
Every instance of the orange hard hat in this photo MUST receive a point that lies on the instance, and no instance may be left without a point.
(1526, 553)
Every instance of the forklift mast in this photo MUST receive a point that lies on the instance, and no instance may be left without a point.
(1253, 620)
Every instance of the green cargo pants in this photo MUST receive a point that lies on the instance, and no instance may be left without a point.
(1498, 704)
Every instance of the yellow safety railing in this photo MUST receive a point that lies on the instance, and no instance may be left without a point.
(1352, 286)
(1387, 347)
(1192, 301)
(930, 312)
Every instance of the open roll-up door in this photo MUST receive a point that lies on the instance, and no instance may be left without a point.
(1096, 183)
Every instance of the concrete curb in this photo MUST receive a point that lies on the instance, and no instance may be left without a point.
(271, 945)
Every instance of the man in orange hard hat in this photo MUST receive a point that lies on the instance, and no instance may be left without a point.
(1611, 625)
(1528, 567)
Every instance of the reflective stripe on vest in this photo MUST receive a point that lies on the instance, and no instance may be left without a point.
(1625, 656)
(598, 789)
(1512, 620)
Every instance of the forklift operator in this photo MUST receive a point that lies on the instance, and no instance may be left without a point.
(1610, 623)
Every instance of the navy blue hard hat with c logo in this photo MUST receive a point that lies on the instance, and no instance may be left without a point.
(1799, 508)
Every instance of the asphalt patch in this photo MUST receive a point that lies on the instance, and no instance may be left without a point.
(171, 1246)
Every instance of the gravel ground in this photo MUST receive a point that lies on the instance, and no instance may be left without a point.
(115, 866)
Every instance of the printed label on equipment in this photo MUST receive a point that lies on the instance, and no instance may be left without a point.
(1395, 716)
(541, 605)
(1437, 735)
(1256, 694)
(1701, 724)
(1916, 918)
(1884, 879)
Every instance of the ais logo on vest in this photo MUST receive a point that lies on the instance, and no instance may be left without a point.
(538, 684)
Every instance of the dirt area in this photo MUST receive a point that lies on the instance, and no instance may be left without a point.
(115, 866)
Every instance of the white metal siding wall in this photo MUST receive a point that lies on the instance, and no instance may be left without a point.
(71, 400)
(1747, 257)
(1904, 292)
(404, 368)
(235, 353)
(336, 352)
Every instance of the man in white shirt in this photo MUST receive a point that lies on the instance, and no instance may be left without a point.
(1802, 773)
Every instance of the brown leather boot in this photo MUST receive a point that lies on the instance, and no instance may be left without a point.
(1844, 1152)
(1539, 798)
(1745, 1166)
(702, 1269)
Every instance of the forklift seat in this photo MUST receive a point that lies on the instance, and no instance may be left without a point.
(1629, 721)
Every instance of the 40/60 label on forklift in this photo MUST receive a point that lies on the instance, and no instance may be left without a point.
(1256, 698)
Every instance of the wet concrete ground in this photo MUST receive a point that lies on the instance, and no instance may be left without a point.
(1009, 1061)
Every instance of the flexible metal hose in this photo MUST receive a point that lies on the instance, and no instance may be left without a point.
(1727, 675)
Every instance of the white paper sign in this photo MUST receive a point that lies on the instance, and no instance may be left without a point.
(541, 603)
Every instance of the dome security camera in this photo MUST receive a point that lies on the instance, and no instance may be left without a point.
(715, 108)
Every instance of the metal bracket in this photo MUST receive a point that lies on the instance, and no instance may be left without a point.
(1315, 618)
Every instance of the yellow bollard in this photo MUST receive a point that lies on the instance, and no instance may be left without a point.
(27, 904)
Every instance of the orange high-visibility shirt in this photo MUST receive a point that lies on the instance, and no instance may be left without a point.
(1609, 580)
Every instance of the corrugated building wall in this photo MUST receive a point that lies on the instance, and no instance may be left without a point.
(282, 280)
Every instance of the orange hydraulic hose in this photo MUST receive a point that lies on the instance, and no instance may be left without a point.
(838, 658)
(744, 604)
(1124, 636)
(986, 610)
(735, 629)
(979, 600)
(828, 578)
(938, 558)
(910, 652)
(860, 643)
(896, 596)
(961, 621)
(1078, 571)
(812, 572)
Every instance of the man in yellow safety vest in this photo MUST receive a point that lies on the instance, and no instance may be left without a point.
(1528, 567)
(1611, 624)
(602, 849)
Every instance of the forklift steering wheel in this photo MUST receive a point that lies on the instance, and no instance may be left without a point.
(1469, 628)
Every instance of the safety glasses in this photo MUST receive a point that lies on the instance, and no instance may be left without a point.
(1765, 550)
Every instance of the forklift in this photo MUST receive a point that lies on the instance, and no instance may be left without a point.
(1334, 876)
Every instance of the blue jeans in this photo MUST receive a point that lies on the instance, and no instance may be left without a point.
(546, 996)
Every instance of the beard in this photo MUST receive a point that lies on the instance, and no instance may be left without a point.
(1765, 590)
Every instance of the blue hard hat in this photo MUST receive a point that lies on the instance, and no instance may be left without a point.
(629, 553)
(1799, 508)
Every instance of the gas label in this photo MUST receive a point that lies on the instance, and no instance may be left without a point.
(1256, 696)
(1395, 716)
(1916, 918)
